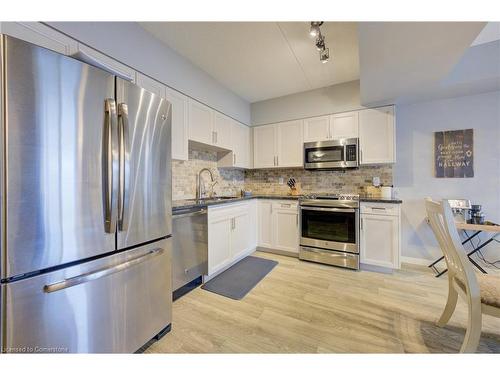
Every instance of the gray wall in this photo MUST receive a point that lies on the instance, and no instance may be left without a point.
(413, 172)
(337, 98)
(129, 43)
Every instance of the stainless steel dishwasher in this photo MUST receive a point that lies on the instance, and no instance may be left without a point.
(190, 245)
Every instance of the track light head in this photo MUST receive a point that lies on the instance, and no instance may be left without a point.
(314, 31)
(324, 55)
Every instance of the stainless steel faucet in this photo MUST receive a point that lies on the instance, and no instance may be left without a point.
(199, 187)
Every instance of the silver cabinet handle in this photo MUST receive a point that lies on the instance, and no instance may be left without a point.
(234, 158)
(297, 220)
(124, 155)
(286, 205)
(213, 137)
(216, 137)
(378, 208)
(361, 154)
(110, 166)
(277, 161)
(361, 224)
(94, 275)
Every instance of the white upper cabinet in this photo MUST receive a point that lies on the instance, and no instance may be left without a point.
(100, 60)
(209, 127)
(240, 157)
(222, 130)
(264, 146)
(344, 125)
(317, 129)
(290, 144)
(377, 135)
(41, 35)
(201, 120)
(180, 149)
(279, 145)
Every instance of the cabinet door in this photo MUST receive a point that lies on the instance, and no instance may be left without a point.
(100, 60)
(344, 125)
(240, 235)
(264, 220)
(41, 35)
(150, 84)
(179, 124)
(219, 244)
(379, 240)
(201, 120)
(222, 130)
(264, 146)
(285, 228)
(290, 144)
(240, 135)
(376, 135)
(317, 129)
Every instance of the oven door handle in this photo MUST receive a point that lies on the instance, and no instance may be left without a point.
(329, 209)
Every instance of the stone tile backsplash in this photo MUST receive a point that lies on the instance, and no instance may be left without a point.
(267, 181)
(229, 181)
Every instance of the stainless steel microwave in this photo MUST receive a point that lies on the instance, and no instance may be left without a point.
(337, 154)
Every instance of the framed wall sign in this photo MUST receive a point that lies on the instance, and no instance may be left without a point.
(454, 153)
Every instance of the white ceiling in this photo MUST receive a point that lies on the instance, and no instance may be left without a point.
(490, 33)
(263, 60)
(401, 60)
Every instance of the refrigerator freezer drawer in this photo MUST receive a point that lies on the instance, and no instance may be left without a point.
(111, 305)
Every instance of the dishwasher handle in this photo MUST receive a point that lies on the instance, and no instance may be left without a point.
(188, 212)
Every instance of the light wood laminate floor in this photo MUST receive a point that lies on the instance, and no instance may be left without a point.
(303, 307)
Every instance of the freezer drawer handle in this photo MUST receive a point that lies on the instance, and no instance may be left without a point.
(94, 275)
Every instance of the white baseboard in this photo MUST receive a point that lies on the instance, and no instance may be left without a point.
(417, 261)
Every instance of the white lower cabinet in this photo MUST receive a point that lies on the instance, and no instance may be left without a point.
(230, 234)
(278, 225)
(286, 227)
(380, 235)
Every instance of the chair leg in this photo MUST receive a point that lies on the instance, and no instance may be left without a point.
(473, 333)
(451, 303)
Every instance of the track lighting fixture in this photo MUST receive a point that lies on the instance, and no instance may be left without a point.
(315, 32)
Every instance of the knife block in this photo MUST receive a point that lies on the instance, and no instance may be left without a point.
(295, 190)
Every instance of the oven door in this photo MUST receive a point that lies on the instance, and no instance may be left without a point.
(330, 228)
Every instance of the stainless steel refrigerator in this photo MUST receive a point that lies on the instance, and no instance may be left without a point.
(85, 206)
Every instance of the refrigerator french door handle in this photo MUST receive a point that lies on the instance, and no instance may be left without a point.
(124, 146)
(110, 167)
(106, 271)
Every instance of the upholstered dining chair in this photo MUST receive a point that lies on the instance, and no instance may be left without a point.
(481, 292)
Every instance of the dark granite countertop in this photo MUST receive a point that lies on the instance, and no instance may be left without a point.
(193, 203)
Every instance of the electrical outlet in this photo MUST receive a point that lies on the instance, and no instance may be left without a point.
(280, 181)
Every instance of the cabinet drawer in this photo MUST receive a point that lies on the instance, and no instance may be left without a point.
(380, 208)
(292, 205)
(229, 210)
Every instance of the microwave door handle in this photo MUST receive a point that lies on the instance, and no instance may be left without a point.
(110, 166)
(124, 143)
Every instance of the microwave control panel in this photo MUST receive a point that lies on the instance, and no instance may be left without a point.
(351, 153)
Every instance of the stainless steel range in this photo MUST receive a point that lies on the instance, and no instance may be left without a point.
(329, 229)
